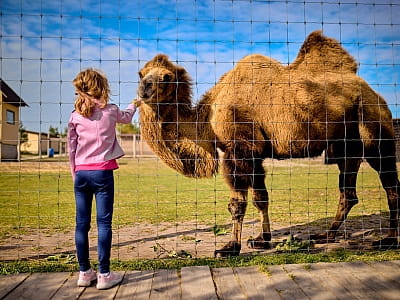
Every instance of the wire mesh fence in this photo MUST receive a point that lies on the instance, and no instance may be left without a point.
(210, 110)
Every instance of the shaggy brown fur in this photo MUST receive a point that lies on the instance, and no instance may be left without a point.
(263, 109)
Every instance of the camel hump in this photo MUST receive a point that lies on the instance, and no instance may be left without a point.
(319, 52)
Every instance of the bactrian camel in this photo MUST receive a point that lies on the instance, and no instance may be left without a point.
(262, 109)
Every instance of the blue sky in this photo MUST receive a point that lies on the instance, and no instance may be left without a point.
(45, 43)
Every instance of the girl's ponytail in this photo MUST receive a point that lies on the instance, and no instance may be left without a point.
(91, 89)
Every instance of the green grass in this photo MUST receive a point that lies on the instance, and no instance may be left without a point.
(148, 191)
(41, 198)
(262, 261)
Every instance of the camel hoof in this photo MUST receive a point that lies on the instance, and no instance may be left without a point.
(258, 244)
(230, 249)
(386, 243)
(322, 238)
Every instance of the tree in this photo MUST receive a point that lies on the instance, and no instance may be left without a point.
(53, 131)
(65, 132)
(128, 128)
(23, 135)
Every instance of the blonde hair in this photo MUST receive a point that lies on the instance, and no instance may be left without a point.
(92, 88)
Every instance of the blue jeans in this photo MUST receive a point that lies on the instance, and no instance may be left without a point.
(99, 183)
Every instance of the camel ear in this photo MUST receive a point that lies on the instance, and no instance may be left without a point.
(161, 58)
(180, 72)
(140, 74)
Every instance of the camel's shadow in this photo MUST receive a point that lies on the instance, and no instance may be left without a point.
(356, 233)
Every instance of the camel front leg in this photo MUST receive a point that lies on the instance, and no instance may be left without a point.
(260, 201)
(239, 169)
(237, 207)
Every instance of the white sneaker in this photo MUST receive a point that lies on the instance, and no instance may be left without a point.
(106, 281)
(86, 278)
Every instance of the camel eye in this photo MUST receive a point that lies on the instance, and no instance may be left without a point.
(167, 78)
(140, 75)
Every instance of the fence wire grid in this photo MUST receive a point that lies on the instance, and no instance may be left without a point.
(158, 212)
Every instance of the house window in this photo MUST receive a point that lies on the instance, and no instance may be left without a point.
(10, 117)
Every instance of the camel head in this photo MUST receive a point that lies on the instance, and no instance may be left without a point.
(161, 81)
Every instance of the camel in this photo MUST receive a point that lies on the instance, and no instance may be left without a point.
(262, 109)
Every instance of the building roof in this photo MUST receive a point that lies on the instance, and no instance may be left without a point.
(47, 134)
(9, 96)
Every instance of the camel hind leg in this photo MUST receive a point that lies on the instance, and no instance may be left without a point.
(383, 160)
(348, 168)
(348, 157)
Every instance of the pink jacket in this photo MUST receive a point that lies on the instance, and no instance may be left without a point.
(93, 140)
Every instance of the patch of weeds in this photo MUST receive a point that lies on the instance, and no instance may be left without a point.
(179, 254)
(293, 245)
(218, 230)
(62, 258)
(5, 235)
(341, 254)
(161, 250)
(263, 269)
(36, 248)
(291, 276)
(187, 238)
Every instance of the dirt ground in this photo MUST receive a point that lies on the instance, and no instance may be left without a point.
(186, 240)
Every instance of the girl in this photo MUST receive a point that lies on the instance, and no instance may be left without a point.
(93, 150)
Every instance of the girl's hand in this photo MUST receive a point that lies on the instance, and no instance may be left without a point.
(137, 102)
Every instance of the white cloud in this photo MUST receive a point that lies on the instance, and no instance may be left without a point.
(59, 38)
